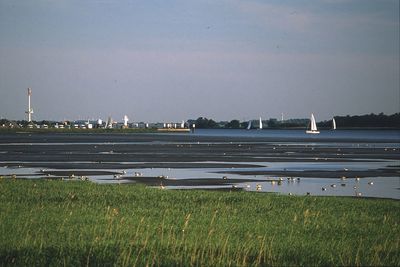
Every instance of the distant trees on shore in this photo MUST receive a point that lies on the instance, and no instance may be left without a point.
(204, 123)
(365, 121)
(234, 124)
(359, 121)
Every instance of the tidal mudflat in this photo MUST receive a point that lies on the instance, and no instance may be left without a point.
(288, 163)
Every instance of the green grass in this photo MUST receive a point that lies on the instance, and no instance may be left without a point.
(80, 223)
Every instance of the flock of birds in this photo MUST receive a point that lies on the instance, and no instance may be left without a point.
(258, 186)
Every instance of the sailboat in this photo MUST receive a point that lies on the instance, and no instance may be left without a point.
(333, 124)
(260, 126)
(249, 126)
(313, 129)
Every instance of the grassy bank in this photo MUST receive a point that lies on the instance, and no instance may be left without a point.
(80, 223)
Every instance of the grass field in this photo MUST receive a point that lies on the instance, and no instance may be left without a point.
(80, 223)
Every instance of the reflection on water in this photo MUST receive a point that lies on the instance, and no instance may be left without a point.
(320, 166)
(307, 143)
(367, 135)
(379, 187)
(368, 151)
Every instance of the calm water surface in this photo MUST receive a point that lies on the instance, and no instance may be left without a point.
(386, 187)
(355, 135)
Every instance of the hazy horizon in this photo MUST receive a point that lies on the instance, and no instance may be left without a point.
(177, 60)
(120, 120)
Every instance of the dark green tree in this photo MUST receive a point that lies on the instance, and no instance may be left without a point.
(233, 124)
(204, 123)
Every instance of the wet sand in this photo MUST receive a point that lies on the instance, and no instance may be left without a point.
(160, 181)
(97, 154)
(154, 150)
(322, 174)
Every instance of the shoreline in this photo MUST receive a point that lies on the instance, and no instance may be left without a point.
(196, 160)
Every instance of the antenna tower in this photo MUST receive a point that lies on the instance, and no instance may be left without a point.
(29, 112)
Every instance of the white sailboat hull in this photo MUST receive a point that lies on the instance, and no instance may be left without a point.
(312, 132)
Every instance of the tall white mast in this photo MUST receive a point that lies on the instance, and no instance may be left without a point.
(30, 110)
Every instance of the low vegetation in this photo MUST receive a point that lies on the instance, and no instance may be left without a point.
(81, 223)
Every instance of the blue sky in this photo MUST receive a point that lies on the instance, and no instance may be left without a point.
(174, 60)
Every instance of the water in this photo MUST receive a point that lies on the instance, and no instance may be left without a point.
(377, 187)
(373, 185)
(354, 135)
(381, 187)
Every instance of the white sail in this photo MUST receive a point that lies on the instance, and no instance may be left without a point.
(249, 126)
(260, 126)
(333, 124)
(313, 129)
(313, 123)
(126, 119)
(109, 123)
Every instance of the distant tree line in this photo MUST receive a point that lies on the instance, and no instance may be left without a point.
(205, 123)
(365, 121)
(291, 123)
(359, 121)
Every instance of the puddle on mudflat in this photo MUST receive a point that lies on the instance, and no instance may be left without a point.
(379, 187)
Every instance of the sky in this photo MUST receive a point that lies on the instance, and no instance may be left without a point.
(157, 60)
